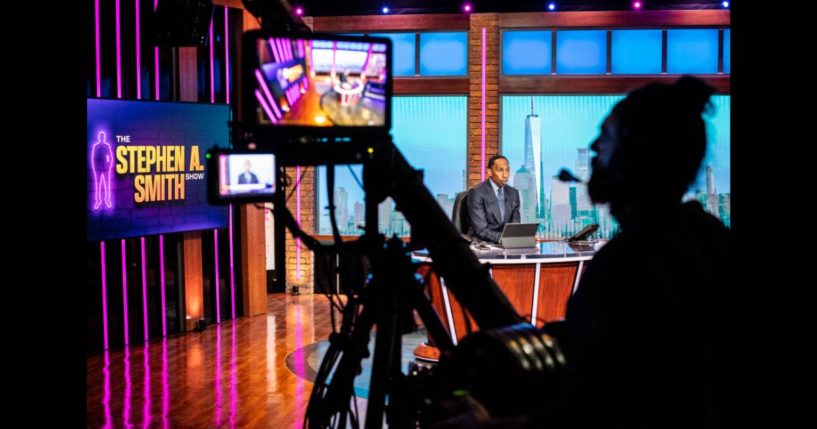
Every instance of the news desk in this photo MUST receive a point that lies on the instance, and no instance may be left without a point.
(537, 282)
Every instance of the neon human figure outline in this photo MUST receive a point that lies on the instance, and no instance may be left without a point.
(101, 164)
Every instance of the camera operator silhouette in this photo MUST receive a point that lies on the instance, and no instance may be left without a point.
(647, 333)
(247, 176)
(101, 164)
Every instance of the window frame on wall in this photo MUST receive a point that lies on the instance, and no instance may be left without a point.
(607, 83)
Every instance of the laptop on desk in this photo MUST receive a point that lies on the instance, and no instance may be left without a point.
(519, 235)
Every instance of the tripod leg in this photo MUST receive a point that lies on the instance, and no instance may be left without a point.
(335, 398)
(383, 362)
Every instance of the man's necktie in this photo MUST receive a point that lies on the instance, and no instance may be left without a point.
(500, 198)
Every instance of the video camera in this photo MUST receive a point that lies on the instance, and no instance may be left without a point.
(326, 100)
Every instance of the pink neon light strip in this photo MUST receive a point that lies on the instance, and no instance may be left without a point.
(127, 401)
(275, 53)
(104, 294)
(218, 290)
(232, 267)
(233, 377)
(281, 49)
(138, 56)
(212, 60)
(288, 94)
(156, 71)
(146, 416)
(144, 291)
(265, 106)
(218, 396)
(162, 281)
(118, 54)
(263, 84)
(106, 392)
(165, 387)
(227, 55)
(298, 219)
(305, 80)
(287, 48)
(482, 146)
(98, 56)
(366, 63)
(125, 291)
(300, 48)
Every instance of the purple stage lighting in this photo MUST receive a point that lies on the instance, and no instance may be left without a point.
(385, 9)
(725, 4)
(299, 11)
(552, 6)
(637, 5)
(467, 7)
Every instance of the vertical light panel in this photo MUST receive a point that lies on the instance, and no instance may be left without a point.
(482, 145)
(218, 396)
(156, 67)
(581, 52)
(144, 290)
(127, 401)
(97, 53)
(165, 387)
(444, 54)
(232, 263)
(298, 219)
(212, 71)
(692, 51)
(104, 294)
(227, 58)
(118, 53)
(125, 291)
(215, 281)
(636, 52)
(526, 52)
(162, 282)
(274, 49)
(146, 416)
(138, 56)
(727, 51)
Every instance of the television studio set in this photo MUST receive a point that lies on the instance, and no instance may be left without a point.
(408, 214)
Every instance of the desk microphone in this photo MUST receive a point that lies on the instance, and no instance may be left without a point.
(566, 175)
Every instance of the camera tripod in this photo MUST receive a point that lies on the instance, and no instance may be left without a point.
(392, 291)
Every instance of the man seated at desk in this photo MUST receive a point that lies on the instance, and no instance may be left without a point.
(493, 203)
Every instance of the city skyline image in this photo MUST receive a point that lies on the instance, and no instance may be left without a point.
(565, 126)
(431, 133)
(539, 136)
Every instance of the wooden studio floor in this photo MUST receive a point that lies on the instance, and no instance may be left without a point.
(230, 375)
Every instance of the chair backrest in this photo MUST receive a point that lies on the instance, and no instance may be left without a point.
(460, 213)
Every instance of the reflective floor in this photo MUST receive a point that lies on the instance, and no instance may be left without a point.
(230, 375)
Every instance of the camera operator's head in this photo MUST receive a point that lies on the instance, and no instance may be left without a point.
(650, 146)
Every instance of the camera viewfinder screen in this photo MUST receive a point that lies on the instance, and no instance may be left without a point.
(246, 175)
(320, 83)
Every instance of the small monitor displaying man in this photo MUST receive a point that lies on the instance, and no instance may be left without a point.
(242, 174)
(493, 203)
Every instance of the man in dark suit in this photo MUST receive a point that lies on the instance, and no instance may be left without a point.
(493, 203)
(247, 177)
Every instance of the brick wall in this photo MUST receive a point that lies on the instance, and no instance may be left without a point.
(476, 163)
(307, 219)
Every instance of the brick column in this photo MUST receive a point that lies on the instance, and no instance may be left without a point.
(479, 94)
(307, 219)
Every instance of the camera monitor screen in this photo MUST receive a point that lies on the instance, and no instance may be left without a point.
(318, 83)
(245, 176)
